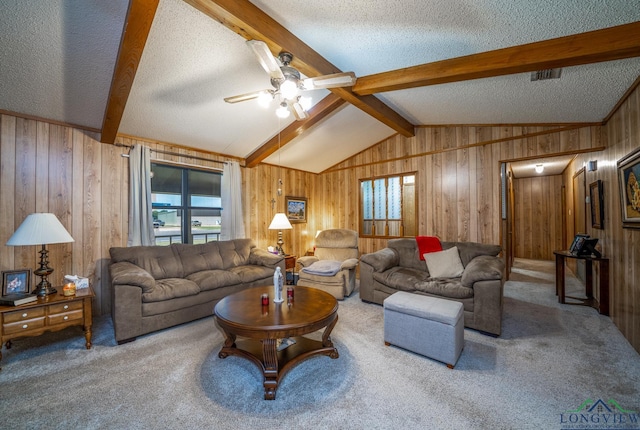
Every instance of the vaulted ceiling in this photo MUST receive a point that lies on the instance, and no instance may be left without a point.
(160, 69)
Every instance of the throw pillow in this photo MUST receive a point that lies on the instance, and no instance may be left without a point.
(444, 264)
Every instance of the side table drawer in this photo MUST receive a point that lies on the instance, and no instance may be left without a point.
(23, 314)
(64, 317)
(22, 326)
(59, 308)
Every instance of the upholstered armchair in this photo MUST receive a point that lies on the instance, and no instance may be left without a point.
(332, 268)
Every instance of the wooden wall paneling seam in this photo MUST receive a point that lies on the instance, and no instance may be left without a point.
(42, 166)
(77, 208)
(93, 206)
(7, 189)
(26, 133)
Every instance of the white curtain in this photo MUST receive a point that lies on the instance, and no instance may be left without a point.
(232, 218)
(140, 214)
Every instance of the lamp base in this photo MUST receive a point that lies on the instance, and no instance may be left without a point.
(44, 288)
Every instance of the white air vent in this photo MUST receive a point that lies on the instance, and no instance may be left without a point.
(545, 74)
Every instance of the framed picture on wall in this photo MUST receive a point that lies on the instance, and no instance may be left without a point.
(296, 208)
(628, 177)
(597, 204)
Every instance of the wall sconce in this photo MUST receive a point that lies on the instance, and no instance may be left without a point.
(539, 168)
(592, 166)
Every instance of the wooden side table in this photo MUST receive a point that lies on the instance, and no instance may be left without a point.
(50, 313)
(603, 305)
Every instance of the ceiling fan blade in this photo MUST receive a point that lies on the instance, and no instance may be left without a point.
(346, 79)
(266, 60)
(298, 111)
(245, 97)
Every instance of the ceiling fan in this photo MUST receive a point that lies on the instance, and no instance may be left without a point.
(287, 83)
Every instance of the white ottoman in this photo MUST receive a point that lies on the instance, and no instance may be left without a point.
(425, 325)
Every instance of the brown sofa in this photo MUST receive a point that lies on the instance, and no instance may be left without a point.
(155, 287)
(480, 288)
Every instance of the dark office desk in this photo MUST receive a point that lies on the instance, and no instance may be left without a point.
(603, 305)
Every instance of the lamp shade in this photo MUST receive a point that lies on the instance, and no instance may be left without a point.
(280, 222)
(40, 229)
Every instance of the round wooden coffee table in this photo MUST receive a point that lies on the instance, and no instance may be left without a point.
(241, 314)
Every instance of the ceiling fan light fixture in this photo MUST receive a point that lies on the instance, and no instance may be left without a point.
(289, 89)
(283, 111)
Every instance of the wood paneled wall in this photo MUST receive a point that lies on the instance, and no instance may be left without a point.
(538, 217)
(52, 168)
(620, 245)
(458, 176)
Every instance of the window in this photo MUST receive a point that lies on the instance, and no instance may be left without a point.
(388, 206)
(186, 204)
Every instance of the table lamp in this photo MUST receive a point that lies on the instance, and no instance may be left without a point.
(41, 229)
(280, 222)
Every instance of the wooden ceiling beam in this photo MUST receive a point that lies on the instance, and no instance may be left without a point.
(250, 22)
(613, 43)
(317, 113)
(136, 30)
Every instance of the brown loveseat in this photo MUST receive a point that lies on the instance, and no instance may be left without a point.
(155, 287)
(480, 287)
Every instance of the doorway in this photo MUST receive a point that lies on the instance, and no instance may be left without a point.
(534, 223)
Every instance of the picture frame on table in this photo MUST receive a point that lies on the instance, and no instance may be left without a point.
(16, 282)
(578, 242)
(597, 204)
(296, 209)
(629, 181)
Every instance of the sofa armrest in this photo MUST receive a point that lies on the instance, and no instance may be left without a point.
(126, 312)
(126, 273)
(307, 260)
(349, 264)
(381, 260)
(482, 268)
(260, 257)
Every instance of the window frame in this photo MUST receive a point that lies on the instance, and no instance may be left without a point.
(185, 207)
(404, 218)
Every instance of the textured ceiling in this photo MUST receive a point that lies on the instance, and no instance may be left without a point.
(58, 58)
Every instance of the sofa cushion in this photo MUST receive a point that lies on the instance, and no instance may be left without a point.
(482, 268)
(444, 264)
(401, 278)
(197, 258)
(212, 279)
(470, 250)
(451, 288)
(408, 255)
(171, 288)
(381, 260)
(235, 252)
(160, 261)
(248, 274)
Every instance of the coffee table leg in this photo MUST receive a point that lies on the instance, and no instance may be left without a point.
(229, 342)
(326, 338)
(270, 358)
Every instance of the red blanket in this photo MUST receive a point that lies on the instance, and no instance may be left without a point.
(428, 244)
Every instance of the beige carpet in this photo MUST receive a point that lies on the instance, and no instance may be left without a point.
(550, 359)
